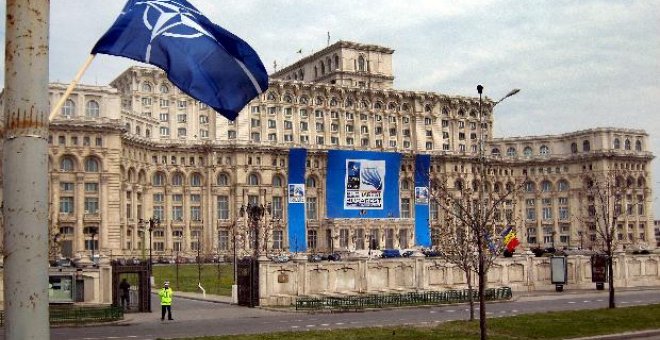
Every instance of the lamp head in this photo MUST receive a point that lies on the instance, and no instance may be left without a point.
(480, 89)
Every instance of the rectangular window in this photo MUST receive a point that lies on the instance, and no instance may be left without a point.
(312, 239)
(164, 117)
(66, 186)
(277, 207)
(223, 207)
(278, 237)
(310, 204)
(159, 212)
(196, 213)
(91, 205)
(343, 238)
(66, 205)
(177, 213)
(181, 118)
(91, 187)
(405, 208)
(403, 238)
(223, 240)
(177, 198)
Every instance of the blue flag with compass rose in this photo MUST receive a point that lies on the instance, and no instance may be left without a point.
(201, 58)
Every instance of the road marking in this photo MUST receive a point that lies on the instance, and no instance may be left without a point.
(432, 312)
(625, 302)
(354, 322)
(571, 301)
(638, 301)
(502, 311)
(295, 326)
(453, 310)
(514, 311)
(339, 323)
(325, 324)
(310, 326)
(586, 301)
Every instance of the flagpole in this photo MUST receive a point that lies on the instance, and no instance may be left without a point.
(25, 171)
(71, 86)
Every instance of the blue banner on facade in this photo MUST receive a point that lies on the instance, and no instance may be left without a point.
(422, 198)
(296, 200)
(363, 184)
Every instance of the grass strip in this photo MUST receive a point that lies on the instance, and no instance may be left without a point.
(551, 325)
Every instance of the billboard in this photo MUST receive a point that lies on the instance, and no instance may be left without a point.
(363, 184)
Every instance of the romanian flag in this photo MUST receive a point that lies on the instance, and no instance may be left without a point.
(509, 239)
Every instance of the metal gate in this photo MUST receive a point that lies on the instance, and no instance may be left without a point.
(247, 278)
(130, 286)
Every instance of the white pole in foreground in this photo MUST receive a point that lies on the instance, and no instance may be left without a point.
(25, 170)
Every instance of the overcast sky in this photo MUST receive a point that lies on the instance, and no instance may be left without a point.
(580, 64)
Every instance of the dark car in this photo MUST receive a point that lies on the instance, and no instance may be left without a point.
(390, 253)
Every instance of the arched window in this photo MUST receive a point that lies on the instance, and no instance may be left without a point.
(253, 179)
(69, 108)
(544, 150)
(311, 182)
(147, 133)
(641, 182)
(546, 186)
(638, 145)
(66, 164)
(586, 146)
(337, 66)
(177, 179)
(574, 148)
(91, 165)
(92, 109)
(562, 185)
(627, 144)
(196, 180)
(158, 179)
(146, 86)
(405, 184)
(617, 144)
(277, 181)
(458, 185)
(495, 152)
(164, 88)
(322, 68)
(527, 151)
(529, 186)
(361, 66)
(223, 179)
(137, 130)
(511, 151)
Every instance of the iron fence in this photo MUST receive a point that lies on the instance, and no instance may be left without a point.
(72, 315)
(357, 302)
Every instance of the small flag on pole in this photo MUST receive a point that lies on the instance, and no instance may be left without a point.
(510, 240)
(201, 58)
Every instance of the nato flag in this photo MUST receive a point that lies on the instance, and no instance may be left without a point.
(201, 58)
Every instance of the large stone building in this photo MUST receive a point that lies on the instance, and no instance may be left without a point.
(140, 149)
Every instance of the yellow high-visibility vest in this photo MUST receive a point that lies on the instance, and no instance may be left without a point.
(165, 295)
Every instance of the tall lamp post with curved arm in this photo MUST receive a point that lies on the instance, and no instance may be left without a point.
(153, 222)
(483, 210)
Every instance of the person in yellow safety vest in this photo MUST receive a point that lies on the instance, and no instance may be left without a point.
(165, 295)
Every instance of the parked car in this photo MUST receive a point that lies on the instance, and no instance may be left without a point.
(407, 253)
(390, 253)
(315, 258)
(334, 257)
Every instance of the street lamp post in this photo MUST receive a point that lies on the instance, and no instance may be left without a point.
(255, 213)
(153, 222)
(199, 259)
(482, 209)
(176, 261)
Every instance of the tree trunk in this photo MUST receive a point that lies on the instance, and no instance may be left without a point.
(468, 276)
(482, 295)
(610, 278)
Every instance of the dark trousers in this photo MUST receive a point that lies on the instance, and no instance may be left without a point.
(169, 312)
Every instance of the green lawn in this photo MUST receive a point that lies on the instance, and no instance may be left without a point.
(215, 279)
(555, 325)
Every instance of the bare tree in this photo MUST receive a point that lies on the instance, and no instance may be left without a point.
(606, 195)
(475, 216)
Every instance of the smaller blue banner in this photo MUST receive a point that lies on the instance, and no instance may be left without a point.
(296, 200)
(422, 182)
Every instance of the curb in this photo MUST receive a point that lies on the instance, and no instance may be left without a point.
(623, 336)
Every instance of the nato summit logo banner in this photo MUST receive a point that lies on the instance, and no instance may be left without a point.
(421, 195)
(296, 193)
(365, 184)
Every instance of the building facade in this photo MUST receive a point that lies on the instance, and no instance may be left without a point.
(141, 149)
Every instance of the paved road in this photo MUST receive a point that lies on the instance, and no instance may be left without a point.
(201, 318)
